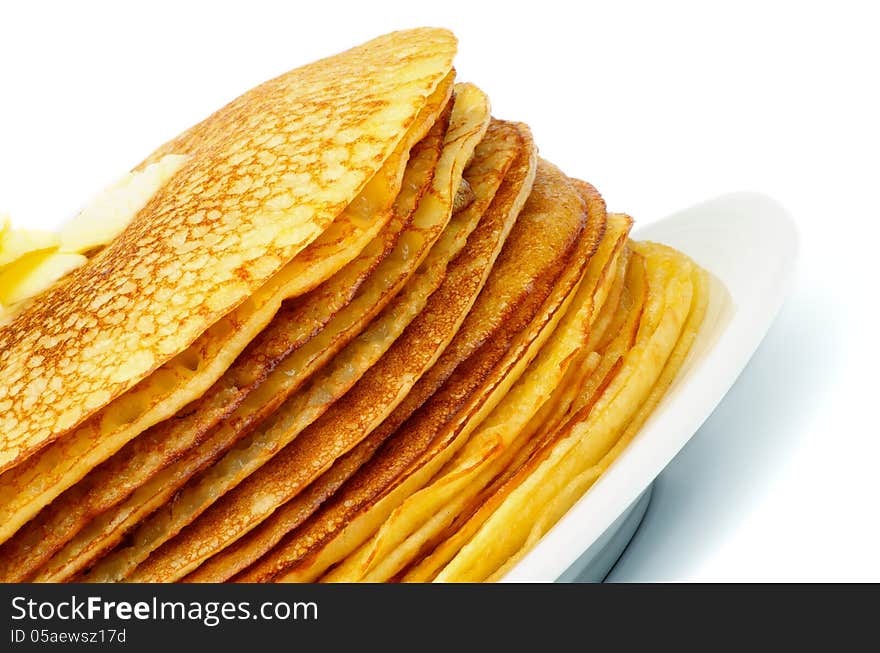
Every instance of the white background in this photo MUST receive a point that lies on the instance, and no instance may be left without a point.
(660, 105)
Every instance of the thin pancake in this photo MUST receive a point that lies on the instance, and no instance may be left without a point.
(362, 409)
(583, 480)
(410, 250)
(266, 175)
(377, 290)
(505, 154)
(296, 323)
(476, 389)
(470, 119)
(540, 246)
(559, 406)
(484, 505)
(591, 432)
(548, 418)
(28, 487)
(427, 512)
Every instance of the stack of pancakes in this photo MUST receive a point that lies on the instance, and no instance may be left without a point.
(359, 331)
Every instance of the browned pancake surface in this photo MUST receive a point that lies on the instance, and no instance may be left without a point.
(266, 175)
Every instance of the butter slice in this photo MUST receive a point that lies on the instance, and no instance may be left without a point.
(31, 261)
(110, 211)
(17, 243)
(34, 273)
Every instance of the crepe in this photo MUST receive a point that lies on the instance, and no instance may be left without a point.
(527, 331)
(483, 357)
(382, 270)
(348, 328)
(578, 485)
(293, 332)
(417, 521)
(301, 410)
(579, 390)
(266, 175)
(503, 162)
(590, 433)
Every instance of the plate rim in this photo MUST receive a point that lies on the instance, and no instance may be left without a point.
(706, 383)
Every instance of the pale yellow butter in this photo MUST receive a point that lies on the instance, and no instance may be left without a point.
(110, 211)
(35, 273)
(31, 261)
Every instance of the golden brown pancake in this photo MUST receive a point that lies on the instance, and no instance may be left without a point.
(348, 328)
(581, 482)
(590, 433)
(297, 323)
(27, 487)
(267, 174)
(503, 309)
(472, 516)
(364, 407)
(302, 409)
(503, 162)
(477, 388)
(487, 451)
(376, 291)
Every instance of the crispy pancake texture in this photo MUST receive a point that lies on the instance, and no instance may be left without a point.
(297, 364)
(297, 324)
(266, 175)
(469, 120)
(443, 426)
(471, 364)
(504, 155)
(348, 328)
(24, 489)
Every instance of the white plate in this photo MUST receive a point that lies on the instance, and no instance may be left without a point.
(749, 244)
